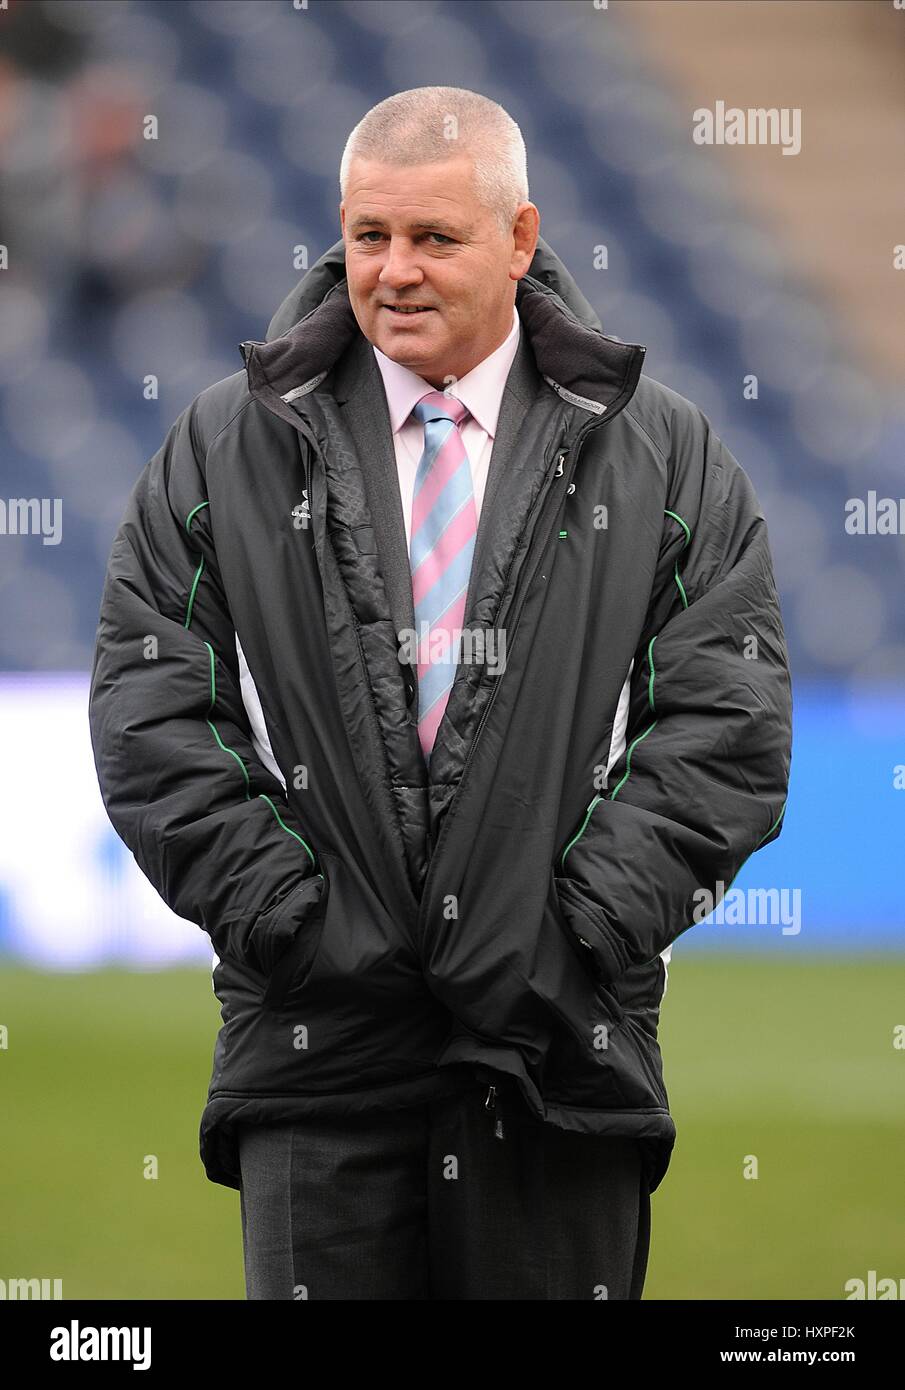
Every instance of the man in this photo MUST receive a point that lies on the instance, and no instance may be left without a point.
(439, 666)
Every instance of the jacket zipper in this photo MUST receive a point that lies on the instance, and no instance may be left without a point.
(540, 501)
(573, 449)
(558, 471)
(492, 1104)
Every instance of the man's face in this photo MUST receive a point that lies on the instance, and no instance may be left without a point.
(419, 236)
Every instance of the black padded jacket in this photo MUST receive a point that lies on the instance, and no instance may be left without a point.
(385, 932)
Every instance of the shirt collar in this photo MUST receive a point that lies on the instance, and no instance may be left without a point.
(480, 390)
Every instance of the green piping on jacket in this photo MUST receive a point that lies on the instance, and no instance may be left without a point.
(628, 756)
(685, 527)
(214, 730)
(650, 694)
(757, 847)
(288, 831)
(210, 709)
(194, 589)
(193, 513)
(625, 776)
(199, 571)
(770, 831)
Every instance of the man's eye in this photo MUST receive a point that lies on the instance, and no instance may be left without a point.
(444, 239)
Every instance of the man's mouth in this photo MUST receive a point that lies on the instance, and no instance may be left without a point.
(408, 308)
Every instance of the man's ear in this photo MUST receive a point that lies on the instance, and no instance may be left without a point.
(526, 230)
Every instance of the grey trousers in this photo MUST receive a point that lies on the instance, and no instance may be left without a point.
(430, 1203)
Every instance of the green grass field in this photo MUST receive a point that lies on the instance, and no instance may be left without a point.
(790, 1061)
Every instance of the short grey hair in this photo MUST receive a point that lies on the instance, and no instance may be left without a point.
(426, 125)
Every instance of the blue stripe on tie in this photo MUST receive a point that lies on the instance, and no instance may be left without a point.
(457, 493)
(440, 595)
(437, 679)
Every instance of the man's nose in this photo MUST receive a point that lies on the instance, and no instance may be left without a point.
(401, 265)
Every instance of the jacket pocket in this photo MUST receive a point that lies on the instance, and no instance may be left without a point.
(576, 917)
(301, 913)
(580, 932)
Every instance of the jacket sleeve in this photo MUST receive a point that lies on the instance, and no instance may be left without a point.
(208, 824)
(702, 781)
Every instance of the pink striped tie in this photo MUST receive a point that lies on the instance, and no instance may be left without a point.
(443, 530)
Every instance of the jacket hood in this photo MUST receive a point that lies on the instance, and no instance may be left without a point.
(331, 268)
